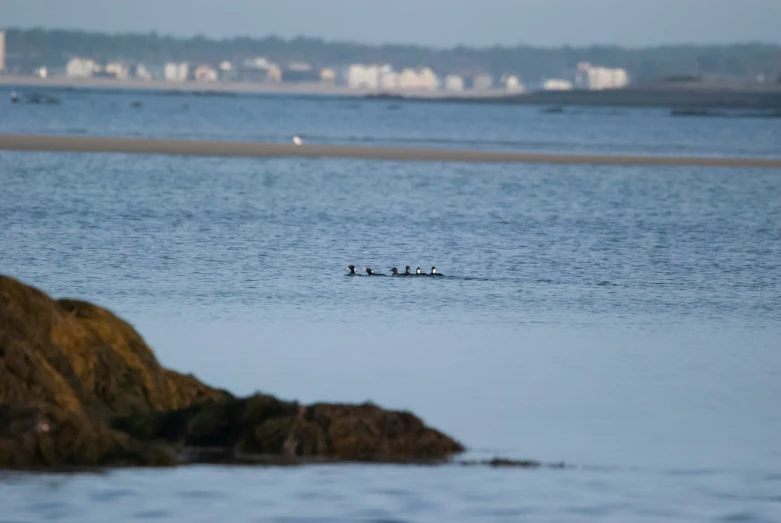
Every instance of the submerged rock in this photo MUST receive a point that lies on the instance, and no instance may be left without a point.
(80, 387)
(499, 462)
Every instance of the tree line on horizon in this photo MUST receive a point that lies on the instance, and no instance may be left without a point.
(30, 48)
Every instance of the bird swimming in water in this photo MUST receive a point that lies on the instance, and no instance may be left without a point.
(395, 272)
(370, 272)
(350, 268)
(434, 272)
(406, 271)
(418, 272)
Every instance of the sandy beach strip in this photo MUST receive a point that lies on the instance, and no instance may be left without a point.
(88, 144)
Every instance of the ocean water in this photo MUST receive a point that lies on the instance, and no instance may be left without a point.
(622, 320)
(333, 120)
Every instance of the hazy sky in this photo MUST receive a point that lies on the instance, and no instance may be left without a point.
(430, 22)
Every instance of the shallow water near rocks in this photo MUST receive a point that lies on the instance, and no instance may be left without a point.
(623, 320)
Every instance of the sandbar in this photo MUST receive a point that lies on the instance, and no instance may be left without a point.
(90, 144)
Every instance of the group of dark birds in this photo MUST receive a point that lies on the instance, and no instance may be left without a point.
(394, 272)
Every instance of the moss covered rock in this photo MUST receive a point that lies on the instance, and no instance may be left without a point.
(80, 387)
(45, 437)
(265, 426)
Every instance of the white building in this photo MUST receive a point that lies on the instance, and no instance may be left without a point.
(117, 70)
(581, 75)
(512, 84)
(454, 82)
(363, 76)
(81, 68)
(176, 72)
(259, 69)
(428, 79)
(260, 62)
(603, 78)
(590, 77)
(327, 75)
(225, 71)
(389, 80)
(274, 74)
(423, 79)
(142, 72)
(482, 82)
(383, 76)
(556, 84)
(205, 73)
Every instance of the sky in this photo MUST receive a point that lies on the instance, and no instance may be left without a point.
(438, 23)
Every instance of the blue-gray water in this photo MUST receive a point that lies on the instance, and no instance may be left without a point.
(623, 320)
(370, 122)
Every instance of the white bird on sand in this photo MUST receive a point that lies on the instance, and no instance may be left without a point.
(297, 140)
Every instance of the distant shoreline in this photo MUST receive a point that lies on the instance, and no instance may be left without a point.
(299, 88)
(674, 96)
(17, 142)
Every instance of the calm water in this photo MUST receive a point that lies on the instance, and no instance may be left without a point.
(624, 320)
(369, 122)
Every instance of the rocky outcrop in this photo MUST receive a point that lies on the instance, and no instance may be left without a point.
(80, 387)
(241, 430)
(44, 437)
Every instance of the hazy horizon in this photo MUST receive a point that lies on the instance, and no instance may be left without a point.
(438, 23)
(326, 40)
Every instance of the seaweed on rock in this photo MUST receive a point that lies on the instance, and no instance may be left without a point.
(79, 387)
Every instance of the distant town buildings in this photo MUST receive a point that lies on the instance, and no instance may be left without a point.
(422, 78)
(512, 84)
(274, 75)
(454, 82)
(378, 76)
(225, 71)
(389, 79)
(142, 73)
(176, 72)
(117, 70)
(363, 76)
(328, 75)
(87, 67)
(259, 69)
(205, 73)
(556, 84)
(590, 77)
(2, 51)
(81, 68)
